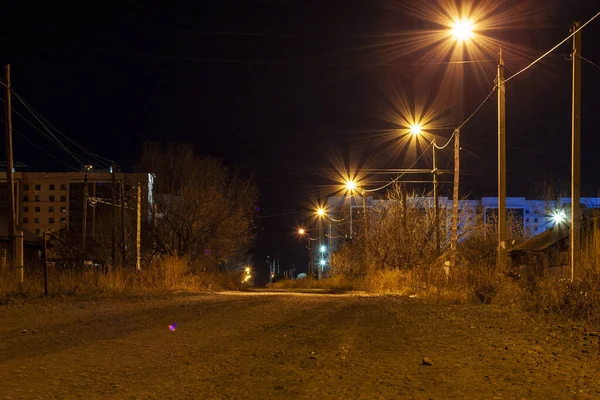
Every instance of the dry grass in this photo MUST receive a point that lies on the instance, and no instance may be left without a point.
(163, 275)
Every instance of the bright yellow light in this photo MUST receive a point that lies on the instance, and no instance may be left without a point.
(463, 29)
(415, 129)
(301, 231)
(320, 212)
(350, 185)
(247, 269)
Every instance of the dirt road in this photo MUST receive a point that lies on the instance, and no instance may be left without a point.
(289, 346)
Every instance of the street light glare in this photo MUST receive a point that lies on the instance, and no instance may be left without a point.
(320, 212)
(301, 231)
(415, 129)
(559, 217)
(462, 30)
(323, 248)
(350, 185)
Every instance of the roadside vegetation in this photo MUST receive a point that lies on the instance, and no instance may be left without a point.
(196, 237)
(398, 256)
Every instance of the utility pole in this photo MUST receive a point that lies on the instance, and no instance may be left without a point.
(436, 221)
(403, 196)
(123, 247)
(576, 154)
(330, 249)
(454, 236)
(502, 245)
(138, 235)
(113, 170)
(310, 257)
(9, 171)
(85, 207)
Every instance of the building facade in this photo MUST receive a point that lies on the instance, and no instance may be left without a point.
(54, 201)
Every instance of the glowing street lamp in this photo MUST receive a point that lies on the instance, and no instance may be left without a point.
(320, 211)
(559, 217)
(322, 248)
(415, 129)
(463, 30)
(301, 231)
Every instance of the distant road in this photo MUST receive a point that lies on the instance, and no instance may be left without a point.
(266, 345)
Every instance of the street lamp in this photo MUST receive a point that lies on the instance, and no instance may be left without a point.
(462, 30)
(302, 232)
(352, 187)
(416, 130)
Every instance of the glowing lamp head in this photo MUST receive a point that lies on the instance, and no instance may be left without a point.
(322, 263)
(415, 129)
(301, 231)
(559, 217)
(247, 269)
(322, 248)
(462, 30)
(350, 185)
(320, 212)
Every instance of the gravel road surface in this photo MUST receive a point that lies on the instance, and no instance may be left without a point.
(290, 346)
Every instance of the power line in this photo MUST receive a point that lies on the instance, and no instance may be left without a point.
(467, 120)
(591, 62)
(552, 49)
(36, 114)
(287, 63)
(401, 175)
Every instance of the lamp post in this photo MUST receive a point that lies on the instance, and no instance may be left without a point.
(416, 130)
(352, 187)
(302, 232)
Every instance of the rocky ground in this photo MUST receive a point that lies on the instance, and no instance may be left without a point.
(290, 346)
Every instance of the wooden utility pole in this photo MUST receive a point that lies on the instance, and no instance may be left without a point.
(436, 221)
(138, 236)
(330, 251)
(576, 154)
(113, 169)
(9, 171)
(85, 208)
(454, 235)
(502, 239)
(123, 246)
(45, 255)
(403, 195)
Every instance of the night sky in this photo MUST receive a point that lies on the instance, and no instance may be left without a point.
(285, 89)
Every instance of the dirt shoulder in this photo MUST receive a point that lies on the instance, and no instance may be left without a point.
(274, 345)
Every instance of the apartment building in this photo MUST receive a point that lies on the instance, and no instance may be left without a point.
(53, 201)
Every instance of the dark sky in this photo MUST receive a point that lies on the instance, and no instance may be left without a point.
(276, 87)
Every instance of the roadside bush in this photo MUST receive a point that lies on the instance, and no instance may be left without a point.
(161, 275)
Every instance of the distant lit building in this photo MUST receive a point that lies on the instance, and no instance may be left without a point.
(532, 216)
(53, 201)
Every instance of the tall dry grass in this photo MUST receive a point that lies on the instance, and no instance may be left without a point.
(162, 275)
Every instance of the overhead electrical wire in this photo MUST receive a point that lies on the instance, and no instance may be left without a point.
(47, 132)
(101, 160)
(590, 62)
(552, 49)
(401, 175)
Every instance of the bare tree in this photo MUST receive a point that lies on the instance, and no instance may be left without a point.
(203, 211)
